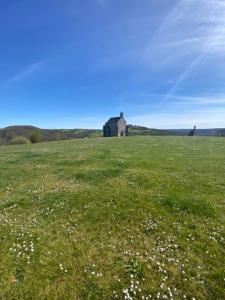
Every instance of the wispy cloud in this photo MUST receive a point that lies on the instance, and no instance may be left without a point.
(28, 70)
(192, 33)
(177, 106)
(191, 28)
(210, 118)
(202, 100)
(193, 66)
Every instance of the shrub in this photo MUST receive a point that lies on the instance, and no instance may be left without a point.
(35, 137)
(19, 140)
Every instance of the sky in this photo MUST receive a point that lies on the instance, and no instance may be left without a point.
(75, 63)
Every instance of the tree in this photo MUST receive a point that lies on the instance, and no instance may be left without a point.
(35, 137)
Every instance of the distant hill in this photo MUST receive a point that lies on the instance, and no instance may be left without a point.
(200, 132)
(140, 130)
(8, 133)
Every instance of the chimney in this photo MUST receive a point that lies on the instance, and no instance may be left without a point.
(121, 115)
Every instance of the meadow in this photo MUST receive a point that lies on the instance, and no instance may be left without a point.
(115, 218)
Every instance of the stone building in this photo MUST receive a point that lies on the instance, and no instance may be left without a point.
(115, 127)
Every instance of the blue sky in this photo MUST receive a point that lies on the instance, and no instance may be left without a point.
(74, 63)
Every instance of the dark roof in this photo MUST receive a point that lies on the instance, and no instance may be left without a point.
(113, 121)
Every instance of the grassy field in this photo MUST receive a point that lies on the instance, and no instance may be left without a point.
(132, 218)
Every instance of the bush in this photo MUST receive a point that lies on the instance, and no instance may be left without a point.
(19, 140)
(35, 137)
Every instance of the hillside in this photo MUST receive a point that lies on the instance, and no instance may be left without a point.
(8, 133)
(200, 132)
(141, 130)
(130, 218)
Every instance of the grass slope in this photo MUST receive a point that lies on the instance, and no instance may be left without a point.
(113, 219)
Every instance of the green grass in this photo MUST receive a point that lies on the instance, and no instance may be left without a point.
(104, 218)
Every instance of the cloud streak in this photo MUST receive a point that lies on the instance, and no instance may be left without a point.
(212, 118)
(191, 28)
(192, 32)
(28, 70)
